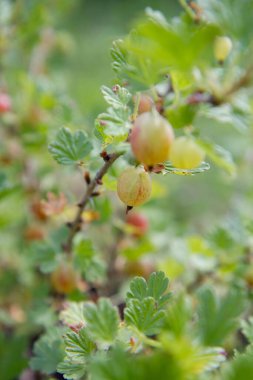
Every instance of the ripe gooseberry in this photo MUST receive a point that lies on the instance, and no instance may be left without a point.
(134, 186)
(139, 223)
(5, 103)
(151, 138)
(145, 103)
(64, 279)
(185, 153)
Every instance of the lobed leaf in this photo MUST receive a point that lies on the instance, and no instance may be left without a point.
(102, 320)
(69, 148)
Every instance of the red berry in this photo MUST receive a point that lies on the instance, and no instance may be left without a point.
(139, 222)
(5, 103)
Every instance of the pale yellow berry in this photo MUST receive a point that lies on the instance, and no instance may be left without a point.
(186, 154)
(134, 186)
(222, 48)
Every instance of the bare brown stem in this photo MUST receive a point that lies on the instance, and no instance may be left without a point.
(243, 81)
(76, 223)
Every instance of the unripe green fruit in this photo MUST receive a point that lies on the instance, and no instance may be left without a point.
(151, 138)
(186, 154)
(222, 48)
(134, 186)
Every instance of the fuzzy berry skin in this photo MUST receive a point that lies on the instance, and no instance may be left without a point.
(64, 279)
(151, 138)
(145, 104)
(139, 223)
(134, 186)
(5, 103)
(186, 154)
(222, 48)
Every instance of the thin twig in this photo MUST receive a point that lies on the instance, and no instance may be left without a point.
(76, 224)
(244, 81)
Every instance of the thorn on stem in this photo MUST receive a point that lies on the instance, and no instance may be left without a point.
(99, 181)
(105, 155)
(86, 176)
(95, 193)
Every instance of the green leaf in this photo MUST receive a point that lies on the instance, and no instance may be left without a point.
(119, 365)
(79, 348)
(218, 317)
(181, 115)
(48, 351)
(118, 98)
(12, 358)
(155, 287)
(241, 368)
(73, 314)
(113, 126)
(95, 270)
(144, 315)
(69, 148)
(157, 47)
(45, 257)
(102, 321)
(84, 247)
(236, 116)
(138, 249)
(178, 316)
(88, 262)
(78, 345)
(145, 303)
(222, 238)
(71, 370)
(222, 12)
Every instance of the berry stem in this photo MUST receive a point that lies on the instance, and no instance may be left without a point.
(75, 224)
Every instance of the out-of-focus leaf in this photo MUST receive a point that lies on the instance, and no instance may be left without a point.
(240, 368)
(11, 348)
(222, 12)
(45, 256)
(48, 351)
(219, 156)
(139, 249)
(218, 317)
(247, 329)
(181, 116)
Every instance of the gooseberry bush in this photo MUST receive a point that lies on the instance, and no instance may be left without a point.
(91, 291)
